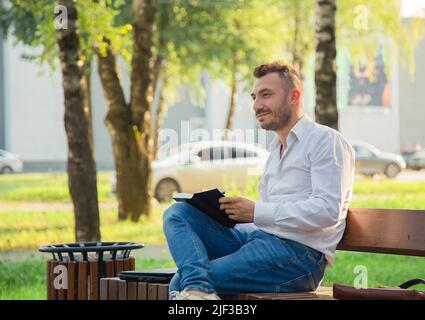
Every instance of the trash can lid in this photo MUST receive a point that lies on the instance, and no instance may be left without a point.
(90, 247)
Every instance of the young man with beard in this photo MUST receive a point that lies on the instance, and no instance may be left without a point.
(294, 228)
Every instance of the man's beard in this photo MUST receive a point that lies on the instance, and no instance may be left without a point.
(280, 120)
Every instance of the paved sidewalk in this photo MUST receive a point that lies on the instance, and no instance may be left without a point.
(150, 251)
(153, 251)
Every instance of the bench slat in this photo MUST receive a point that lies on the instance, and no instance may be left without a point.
(162, 291)
(113, 288)
(122, 290)
(132, 290)
(72, 280)
(104, 289)
(392, 231)
(132, 263)
(142, 291)
(49, 280)
(62, 293)
(322, 293)
(94, 280)
(109, 268)
(152, 291)
(82, 280)
(119, 267)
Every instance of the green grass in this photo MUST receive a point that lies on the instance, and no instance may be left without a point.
(26, 280)
(42, 187)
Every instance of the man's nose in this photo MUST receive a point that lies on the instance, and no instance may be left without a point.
(256, 105)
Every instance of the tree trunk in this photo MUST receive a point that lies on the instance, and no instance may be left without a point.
(86, 84)
(82, 180)
(130, 126)
(159, 115)
(297, 58)
(232, 106)
(157, 85)
(128, 164)
(159, 76)
(325, 77)
(156, 71)
(141, 92)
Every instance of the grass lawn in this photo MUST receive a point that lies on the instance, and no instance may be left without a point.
(35, 209)
(46, 187)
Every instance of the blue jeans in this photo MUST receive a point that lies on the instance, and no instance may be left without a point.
(215, 259)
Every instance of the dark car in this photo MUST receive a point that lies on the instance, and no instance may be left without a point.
(416, 161)
(370, 160)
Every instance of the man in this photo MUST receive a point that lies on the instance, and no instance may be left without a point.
(294, 229)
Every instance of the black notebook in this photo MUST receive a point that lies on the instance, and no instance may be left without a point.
(152, 276)
(207, 202)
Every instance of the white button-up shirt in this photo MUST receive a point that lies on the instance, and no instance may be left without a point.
(304, 195)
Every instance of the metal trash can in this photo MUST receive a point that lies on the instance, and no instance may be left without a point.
(75, 271)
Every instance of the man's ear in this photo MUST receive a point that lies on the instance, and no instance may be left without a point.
(294, 96)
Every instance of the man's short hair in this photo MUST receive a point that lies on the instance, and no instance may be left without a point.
(286, 72)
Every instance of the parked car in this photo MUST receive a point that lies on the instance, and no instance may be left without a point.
(416, 160)
(10, 162)
(370, 160)
(203, 165)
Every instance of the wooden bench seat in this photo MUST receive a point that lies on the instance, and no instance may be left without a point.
(389, 231)
(117, 289)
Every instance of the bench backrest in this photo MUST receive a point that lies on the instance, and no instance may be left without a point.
(393, 231)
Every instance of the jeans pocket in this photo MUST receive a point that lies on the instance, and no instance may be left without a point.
(322, 261)
(302, 283)
(316, 257)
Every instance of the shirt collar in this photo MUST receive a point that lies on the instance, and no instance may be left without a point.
(297, 131)
(300, 126)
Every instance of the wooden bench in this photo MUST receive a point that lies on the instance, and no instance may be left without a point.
(389, 231)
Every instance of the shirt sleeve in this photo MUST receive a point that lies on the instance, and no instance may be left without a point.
(262, 187)
(332, 172)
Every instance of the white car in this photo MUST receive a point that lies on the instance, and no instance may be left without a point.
(204, 165)
(10, 163)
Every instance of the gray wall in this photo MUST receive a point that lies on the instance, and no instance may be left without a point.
(34, 107)
(182, 111)
(412, 101)
(373, 125)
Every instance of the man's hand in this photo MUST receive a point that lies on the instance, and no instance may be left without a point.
(238, 208)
